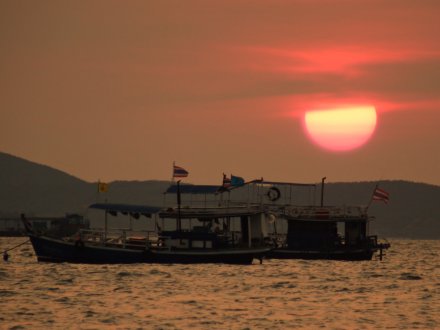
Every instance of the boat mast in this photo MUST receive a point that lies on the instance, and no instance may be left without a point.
(105, 226)
(322, 191)
(105, 223)
(179, 223)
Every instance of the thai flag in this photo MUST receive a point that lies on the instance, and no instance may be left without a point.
(381, 195)
(179, 172)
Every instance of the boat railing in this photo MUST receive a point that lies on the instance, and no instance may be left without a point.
(322, 213)
(294, 211)
(119, 237)
(230, 238)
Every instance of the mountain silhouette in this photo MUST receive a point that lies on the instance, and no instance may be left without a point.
(27, 187)
(35, 189)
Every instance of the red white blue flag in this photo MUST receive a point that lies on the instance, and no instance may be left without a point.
(179, 172)
(381, 195)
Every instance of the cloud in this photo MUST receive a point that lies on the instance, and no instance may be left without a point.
(344, 60)
(393, 78)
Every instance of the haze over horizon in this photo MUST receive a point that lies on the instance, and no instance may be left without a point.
(5, 157)
(116, 90)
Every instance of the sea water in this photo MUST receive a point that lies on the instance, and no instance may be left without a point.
(400, 292)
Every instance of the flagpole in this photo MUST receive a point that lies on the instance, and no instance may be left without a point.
(172, 172)
(97, 191)
(179, 224)
(371, 199)
(105, 226)
(322, 191)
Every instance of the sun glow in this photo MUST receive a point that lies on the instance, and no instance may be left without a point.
(341, 129)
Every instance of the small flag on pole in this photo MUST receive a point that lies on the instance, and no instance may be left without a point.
(102, 187)
(236, 181)
(179, 172)
(381, 195)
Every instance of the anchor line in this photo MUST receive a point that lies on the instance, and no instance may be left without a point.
(12, 248)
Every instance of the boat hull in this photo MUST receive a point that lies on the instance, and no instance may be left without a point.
(55, 250)
(345, 254)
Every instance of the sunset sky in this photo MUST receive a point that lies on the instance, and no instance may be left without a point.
(118, 90)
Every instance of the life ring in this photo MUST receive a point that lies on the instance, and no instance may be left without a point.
(273, 194)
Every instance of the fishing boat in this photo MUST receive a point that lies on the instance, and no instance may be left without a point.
(303, 230)
(254, 220)
(232, 234)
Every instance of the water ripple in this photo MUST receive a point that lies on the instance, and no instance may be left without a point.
(400, 292)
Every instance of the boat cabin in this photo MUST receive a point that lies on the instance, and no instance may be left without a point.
(315, 228)
(190, 228)
(215, 228)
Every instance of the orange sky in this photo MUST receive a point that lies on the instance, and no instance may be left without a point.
(117, 90)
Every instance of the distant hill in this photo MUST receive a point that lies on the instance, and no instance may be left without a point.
(413, 211)
(33, 188)
(44, 191)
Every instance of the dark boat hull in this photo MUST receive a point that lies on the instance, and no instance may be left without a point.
(345, 254)
(55, 250)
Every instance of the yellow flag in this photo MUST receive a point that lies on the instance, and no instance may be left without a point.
(102, 187)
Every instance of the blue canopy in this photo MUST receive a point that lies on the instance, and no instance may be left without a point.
(134, 210)
(193, 189)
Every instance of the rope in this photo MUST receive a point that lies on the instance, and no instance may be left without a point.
(16, 246)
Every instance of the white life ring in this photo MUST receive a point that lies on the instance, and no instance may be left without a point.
(273, 194)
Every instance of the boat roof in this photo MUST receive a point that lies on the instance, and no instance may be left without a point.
(127, 208)
(193, 189)
(210, 213)
(210, 189)
(279, 183)
(188, 213)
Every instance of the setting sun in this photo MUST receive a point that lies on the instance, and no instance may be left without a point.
(341, 129)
